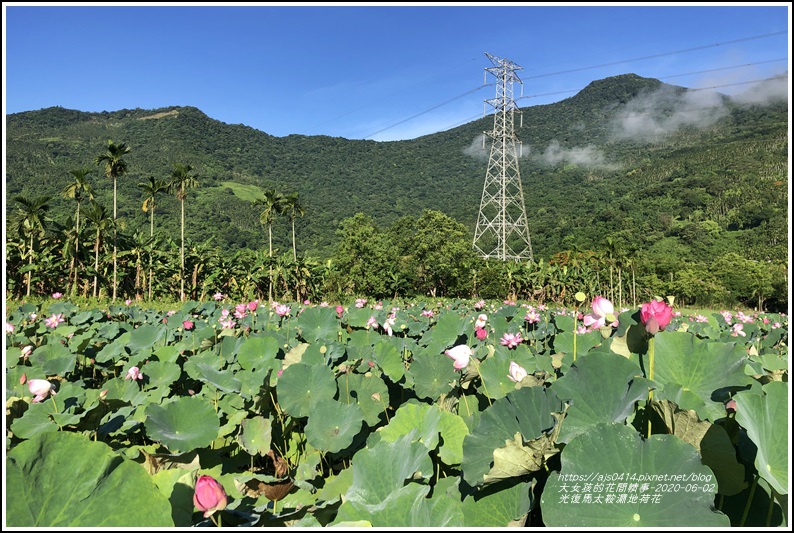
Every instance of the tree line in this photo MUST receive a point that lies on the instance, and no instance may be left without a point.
(91, 255)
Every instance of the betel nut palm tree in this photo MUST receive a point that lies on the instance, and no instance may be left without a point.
(273, 203)
(31, 222)
(78, 190)
(182, 179)
(150, 191)
(115, 166)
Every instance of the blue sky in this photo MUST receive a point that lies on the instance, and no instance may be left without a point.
(380, 71)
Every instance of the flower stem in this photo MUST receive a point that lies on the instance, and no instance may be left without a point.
(749, 500)
(650, 376)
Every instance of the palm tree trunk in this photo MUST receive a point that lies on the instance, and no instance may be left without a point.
(182, 275)
(30, 263)
(294, 249)
(151, 234)
(115, 232)
(72, 269)
(270, 263)
(96, 262)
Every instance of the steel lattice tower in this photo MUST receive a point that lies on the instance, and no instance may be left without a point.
(502, 231)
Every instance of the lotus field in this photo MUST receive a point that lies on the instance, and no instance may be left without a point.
(422, 414)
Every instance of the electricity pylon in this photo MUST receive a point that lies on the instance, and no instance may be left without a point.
(502, 231)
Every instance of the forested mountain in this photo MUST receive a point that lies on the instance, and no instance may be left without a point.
(628, 163)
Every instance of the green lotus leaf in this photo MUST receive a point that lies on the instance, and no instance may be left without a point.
(765, 417)
(382, 469)
(449, 327)
(160, 374)
(177, 484)
(166, 354)
(677, 490)
(251, 383)
(145, 336)
(65, 480)
(407, 506)
(433, 374)
(710, 440)
(494, 369)
(518, 458)
(302, 386)
(53, 359)
(357, 317)
(429, 422)
(421, 418)
(36, 420)
(563, 322)
(708, 369)
(601, 387)
(256, 435)
(564, 342)
(332, 425)
(221, 379)
(368, 391)
(256, 352)
(318, 323)
(497, 506)
(113, 350)
(527, 411)
(182, 424)
(388, 358)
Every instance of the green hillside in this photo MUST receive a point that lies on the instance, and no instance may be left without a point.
(629, 164)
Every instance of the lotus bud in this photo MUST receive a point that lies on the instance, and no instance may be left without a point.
(209, 495)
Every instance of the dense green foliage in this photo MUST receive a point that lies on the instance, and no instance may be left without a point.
(629, 175)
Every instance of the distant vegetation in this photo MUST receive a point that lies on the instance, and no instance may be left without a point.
(633, 188)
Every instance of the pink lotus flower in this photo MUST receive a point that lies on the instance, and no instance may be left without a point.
(428, 313)
(516, 372)
(54, 320)
(209, 496)
(602, 307)
(40, 388)
(481, 321)
(324, 304)
(9, 327)
(532, 317)
(218, 296)
(26, 350)
(461, 355)
(282, 310)
(128, 302)
(481, 333)
(731, 405)
(57, 295)
(227, 324)
(655, 315)
(103, 394)
(187, 324)
(379, 306)
(737, 330)
(240, 311)
(701, 318)
(253, 305)
(372, 322)
(23, 379)
(479, 304)
(361, 302)
(133, 374)
(511, 340)
(388, 323)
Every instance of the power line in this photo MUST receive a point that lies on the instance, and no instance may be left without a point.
(429, 109)
(603, 65)
(655, 55)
